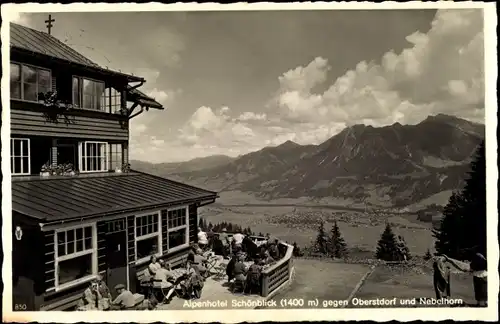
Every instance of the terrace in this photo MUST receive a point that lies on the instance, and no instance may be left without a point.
(218, 293)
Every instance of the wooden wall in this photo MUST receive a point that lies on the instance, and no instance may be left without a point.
(193, 223)
(27, 279)
(38, 282)
(80, 124)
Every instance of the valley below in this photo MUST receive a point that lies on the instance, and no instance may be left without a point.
(362, 177)
(297, 220)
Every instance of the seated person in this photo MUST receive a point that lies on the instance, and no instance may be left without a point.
(195, 285)
(154, 265)
(124, 300)
(274, 251)
(194, 247)
(253, 277)
(240, 270)
(92, 295)
(268, 259)
(198, 262)
(189, 281)
(263, 250)
(102, 287)
(230, 268)
(166, 279)
(190, 256)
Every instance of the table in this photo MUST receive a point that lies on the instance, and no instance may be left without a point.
(177, 273)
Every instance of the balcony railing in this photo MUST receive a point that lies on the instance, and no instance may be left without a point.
(278, 274)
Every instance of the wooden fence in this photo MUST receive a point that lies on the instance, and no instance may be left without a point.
(279, 273)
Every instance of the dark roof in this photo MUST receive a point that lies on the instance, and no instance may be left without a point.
(64, 198)
(34, 41)
(143, 99)
(43, 43)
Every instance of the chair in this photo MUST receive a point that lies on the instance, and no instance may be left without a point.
(177, 285)
(241, 284)
(157, 289)
(211, 264)
(220, 270)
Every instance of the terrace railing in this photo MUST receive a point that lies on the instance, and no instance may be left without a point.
(279, 273)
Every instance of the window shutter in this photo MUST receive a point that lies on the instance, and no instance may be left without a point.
(54, 155)
(104, 149)
(54, 84)
(125, 153)
(80, 157)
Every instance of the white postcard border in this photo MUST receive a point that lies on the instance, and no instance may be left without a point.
(233, 316)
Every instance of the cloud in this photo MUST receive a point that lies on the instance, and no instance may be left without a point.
(441, 72)
(248, 116)
(18, 18)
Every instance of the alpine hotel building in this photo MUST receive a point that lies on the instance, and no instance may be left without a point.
(77, 209)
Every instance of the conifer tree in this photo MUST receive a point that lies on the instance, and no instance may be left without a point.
(321, 243)
(463, 227)
(387, 249)
(337, 245)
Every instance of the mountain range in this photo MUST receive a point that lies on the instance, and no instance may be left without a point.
(396, 165)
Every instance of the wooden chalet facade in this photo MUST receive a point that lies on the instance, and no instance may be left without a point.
(77, 211)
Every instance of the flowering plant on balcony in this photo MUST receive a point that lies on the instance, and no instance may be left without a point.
(65, 169)
(123, 168)
(56, 107)
(126, 167)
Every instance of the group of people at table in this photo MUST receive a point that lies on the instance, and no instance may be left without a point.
(241, 267)
(98, 297)
(244, 266)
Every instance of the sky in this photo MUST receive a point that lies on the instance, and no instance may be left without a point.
(236, 81)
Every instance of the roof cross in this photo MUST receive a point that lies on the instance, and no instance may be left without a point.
(49, 23)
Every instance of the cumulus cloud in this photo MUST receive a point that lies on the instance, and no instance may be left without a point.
(248, 115)
(441, 72)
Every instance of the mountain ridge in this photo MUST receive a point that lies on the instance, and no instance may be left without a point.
(393, 165)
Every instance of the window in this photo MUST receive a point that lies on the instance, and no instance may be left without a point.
(177, 228)
(20, 156)
(26, 82)
(147, 236)
(75, 255)
(113, 99)
(116, 226)
(93, 156)
(115, 156)
(88, 94)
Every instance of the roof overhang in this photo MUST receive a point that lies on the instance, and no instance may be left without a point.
(136, 96)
